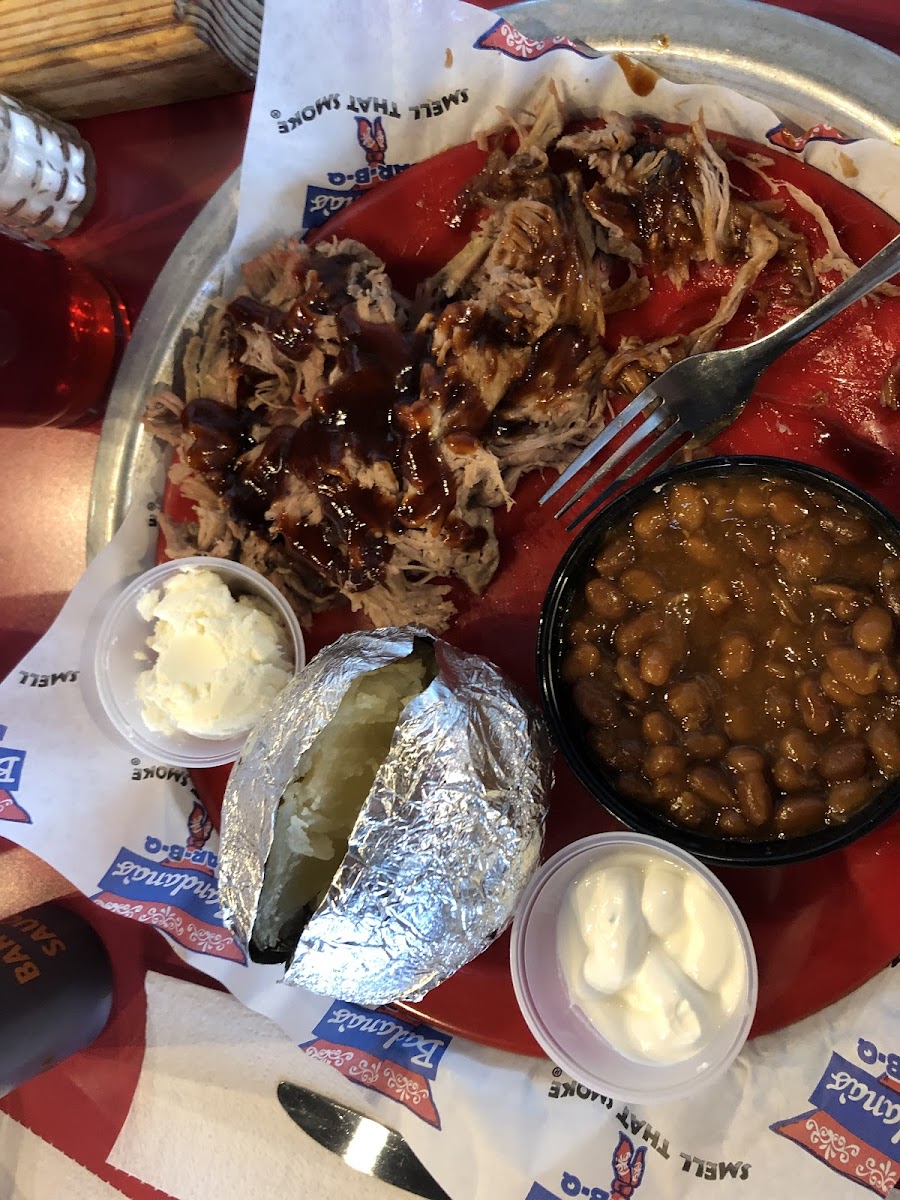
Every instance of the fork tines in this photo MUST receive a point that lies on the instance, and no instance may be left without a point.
(659, 425)
(671, 434)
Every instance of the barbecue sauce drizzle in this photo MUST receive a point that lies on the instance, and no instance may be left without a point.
(373, 411)
(390, 404)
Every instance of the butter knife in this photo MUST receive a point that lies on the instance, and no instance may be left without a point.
(364, 1144)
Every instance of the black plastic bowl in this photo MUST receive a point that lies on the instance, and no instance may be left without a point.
(567, 724)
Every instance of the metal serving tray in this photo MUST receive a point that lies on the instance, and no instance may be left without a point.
(804, 69)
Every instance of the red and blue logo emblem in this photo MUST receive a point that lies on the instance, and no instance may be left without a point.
(373, 139)
(789, 136)
(628, 1171)
(375, 1048)
(506, 38)
(177, 893)
(11, 763)
(854, 1124)
(371, 135)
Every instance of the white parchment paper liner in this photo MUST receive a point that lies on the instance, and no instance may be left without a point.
(121, 828)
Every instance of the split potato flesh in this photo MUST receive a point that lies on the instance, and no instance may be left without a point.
(322, 802)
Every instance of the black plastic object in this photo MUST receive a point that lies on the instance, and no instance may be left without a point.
(56, 989)
(566, 723)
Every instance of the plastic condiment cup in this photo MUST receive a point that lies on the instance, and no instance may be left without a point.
(562, 1030)
(122, 638)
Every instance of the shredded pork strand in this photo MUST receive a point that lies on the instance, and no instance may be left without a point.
(762, 245)
(353, 446)
(836, 258)
(714, 202)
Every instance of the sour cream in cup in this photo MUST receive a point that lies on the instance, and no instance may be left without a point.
(633, 967)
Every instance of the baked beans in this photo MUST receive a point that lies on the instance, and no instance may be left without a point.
(733, 653)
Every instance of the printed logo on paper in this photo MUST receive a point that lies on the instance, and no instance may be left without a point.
(11, 763)
(371, 136)
(628, 1171)
(375, 1048)
(629, 1166)
(372, 116)
(506, 38)
(176, 892)
(790, 136)
(854, 1125)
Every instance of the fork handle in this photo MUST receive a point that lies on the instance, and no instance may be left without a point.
(880, 267)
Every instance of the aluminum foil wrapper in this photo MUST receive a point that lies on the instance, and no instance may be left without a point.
(447, 839)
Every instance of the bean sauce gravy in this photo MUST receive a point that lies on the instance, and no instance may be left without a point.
(733, 653)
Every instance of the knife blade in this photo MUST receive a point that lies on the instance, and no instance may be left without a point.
(363, 1143)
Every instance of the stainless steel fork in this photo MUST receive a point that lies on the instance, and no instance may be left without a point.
(701, 395)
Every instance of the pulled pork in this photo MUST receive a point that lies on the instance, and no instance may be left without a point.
(349, 445)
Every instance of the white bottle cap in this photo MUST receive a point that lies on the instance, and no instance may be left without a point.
(46, 173)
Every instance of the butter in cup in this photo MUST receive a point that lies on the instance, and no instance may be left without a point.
(121, 657)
